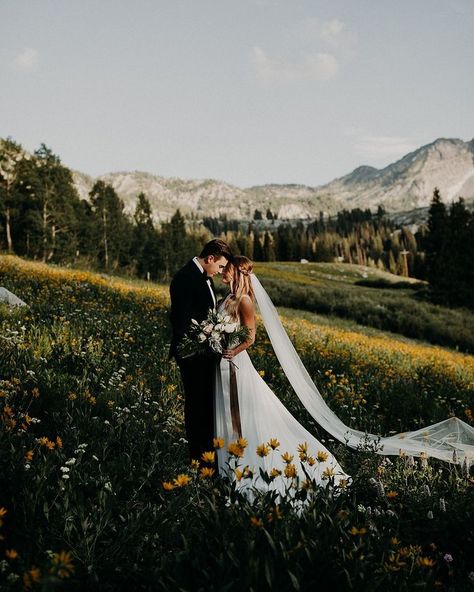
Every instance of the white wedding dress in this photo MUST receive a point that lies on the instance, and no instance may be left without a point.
(262, 418)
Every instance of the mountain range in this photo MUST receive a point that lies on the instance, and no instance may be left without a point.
(403, 186)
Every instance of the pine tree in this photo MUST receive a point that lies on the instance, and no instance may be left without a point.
(436, 242)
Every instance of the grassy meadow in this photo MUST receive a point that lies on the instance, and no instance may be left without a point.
(96, 491)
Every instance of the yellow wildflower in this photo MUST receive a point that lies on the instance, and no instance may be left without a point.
(195, 464)
(206, 472)
(262, 373)
(72, 396)
(287, 457)
(254, 521)
(275, 473)
(167, 486)
(343, 483)
(235, 450)
(354, 531)
(35, 392)
(218, 442)
(274, 514)
(303, 448)
(322, 456)
(310, 460)
(242, 442)
(182, 480)
(62, 564)
(29, 455)
(59, 442)
(11, 554)
(290, 471)
(263, 450)
(394, 541)
(394, 563)
(273, 443)
(426, 562)
(328, 473)
(392, 494)
(208, 457)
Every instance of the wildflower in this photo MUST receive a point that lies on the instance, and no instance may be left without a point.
(167, 486)
(70, 462)
(59, 442)
(426, 562)
(343, 483)
(62, 564)
(273, 443)
(448, 558)
(11, 554)
(35, 392)
(430, 515)
(275, 473)
(182, 480)
(195, 464)
(208, 457)
(29, 455)
(235, 450)
(322, 456)
(394, 541)
(254, 521)
(394, 563)
(206, 472)
(218, 443)
(65, 476)
(328, 473)
(287, 457)
(72, 396)
(303, 448)
(290, 471)
(274, 514)
(392, 494)
(238, 474)
(442, 504)
(30, 577)
(262, 373)
(263, 450)
(354, 531)
(242, 442)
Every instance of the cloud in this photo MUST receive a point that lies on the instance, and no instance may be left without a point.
(27, 59)
(334, 34)
(383, 147)
(317, 66)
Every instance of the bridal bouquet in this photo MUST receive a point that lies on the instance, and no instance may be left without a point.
(212, 335)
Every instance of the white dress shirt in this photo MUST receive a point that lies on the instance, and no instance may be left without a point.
(200, 267)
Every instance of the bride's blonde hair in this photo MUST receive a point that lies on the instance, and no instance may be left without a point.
(240, 285)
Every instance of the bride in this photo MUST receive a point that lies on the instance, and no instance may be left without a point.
(265, 438)
(262, 433)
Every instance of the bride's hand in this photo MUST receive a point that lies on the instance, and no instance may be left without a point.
(228, 354)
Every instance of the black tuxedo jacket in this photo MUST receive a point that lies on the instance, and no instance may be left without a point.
(190, 299)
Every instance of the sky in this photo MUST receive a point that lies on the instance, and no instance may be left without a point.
(244, 91)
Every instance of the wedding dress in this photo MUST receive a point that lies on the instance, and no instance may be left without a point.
(246, 407)
(263, 416)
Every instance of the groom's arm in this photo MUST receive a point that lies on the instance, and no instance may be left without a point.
(181, 295)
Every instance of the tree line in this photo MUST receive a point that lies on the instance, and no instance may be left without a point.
(42, 217)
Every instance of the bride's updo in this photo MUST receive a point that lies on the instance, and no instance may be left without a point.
(240, 284)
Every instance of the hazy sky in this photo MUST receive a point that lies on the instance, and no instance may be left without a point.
(246, 91)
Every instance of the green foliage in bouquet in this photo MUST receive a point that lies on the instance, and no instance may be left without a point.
(212, 336)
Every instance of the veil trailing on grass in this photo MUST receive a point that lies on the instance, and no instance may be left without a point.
(450, 440)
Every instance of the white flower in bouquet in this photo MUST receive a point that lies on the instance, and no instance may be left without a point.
(201, 337)
(230, 327)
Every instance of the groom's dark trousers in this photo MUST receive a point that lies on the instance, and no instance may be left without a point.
(191, 298)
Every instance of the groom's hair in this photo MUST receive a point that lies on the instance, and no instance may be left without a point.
(218, 248)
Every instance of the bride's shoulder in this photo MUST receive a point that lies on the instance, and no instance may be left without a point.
(246, 304)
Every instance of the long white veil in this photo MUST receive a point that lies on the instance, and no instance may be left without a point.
(450, 440)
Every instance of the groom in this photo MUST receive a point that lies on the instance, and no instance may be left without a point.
(192, 295)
